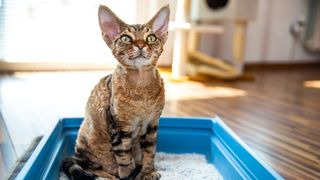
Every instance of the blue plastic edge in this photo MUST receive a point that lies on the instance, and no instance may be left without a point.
(229, 139)
(38, 152)
(232, 141)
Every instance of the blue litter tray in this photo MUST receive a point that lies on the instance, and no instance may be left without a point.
(208, 136)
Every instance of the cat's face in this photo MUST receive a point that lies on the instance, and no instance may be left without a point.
(135, 46)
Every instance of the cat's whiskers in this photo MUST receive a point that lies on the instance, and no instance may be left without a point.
(146, 54)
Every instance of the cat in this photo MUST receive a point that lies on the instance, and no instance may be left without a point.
(117, 139)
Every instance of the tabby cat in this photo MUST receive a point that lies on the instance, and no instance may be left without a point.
(117, 139)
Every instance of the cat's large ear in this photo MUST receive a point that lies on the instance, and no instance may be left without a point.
(160, 22)
(111, 26)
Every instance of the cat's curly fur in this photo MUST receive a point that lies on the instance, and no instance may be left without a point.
(118, 136)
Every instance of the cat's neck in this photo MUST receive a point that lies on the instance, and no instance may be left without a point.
(139, 77)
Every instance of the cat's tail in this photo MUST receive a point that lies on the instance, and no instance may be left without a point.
(73, 168)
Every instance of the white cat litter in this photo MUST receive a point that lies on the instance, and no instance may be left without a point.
(186, 167)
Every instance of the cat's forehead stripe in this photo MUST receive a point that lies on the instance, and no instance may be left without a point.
(138, 27)
(137, 31)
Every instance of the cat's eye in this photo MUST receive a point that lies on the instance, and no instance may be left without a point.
(151, 38)
(126, 39)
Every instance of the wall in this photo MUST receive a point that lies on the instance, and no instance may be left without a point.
(268, 37)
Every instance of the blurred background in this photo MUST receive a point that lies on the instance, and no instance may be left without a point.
(254, 63)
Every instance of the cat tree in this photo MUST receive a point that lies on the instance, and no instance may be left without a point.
(188, 31)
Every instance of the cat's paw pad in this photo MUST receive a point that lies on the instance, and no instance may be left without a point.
(152, 176)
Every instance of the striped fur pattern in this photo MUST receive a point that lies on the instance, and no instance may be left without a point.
(117, 139)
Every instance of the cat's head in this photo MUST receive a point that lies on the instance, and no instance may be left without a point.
(135, 46)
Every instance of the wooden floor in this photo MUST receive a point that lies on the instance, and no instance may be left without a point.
(277, 114)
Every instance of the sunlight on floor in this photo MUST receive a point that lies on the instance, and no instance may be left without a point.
(312, 84)
(195, 90)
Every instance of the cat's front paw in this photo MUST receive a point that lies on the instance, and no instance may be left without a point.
(151, 176)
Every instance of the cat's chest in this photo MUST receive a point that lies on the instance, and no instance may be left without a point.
(139, 98)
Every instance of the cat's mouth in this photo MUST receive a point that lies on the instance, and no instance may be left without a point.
(139, 56)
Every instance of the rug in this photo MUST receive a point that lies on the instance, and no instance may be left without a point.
(22, 161)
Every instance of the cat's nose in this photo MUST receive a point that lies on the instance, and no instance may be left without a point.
(140, 44)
